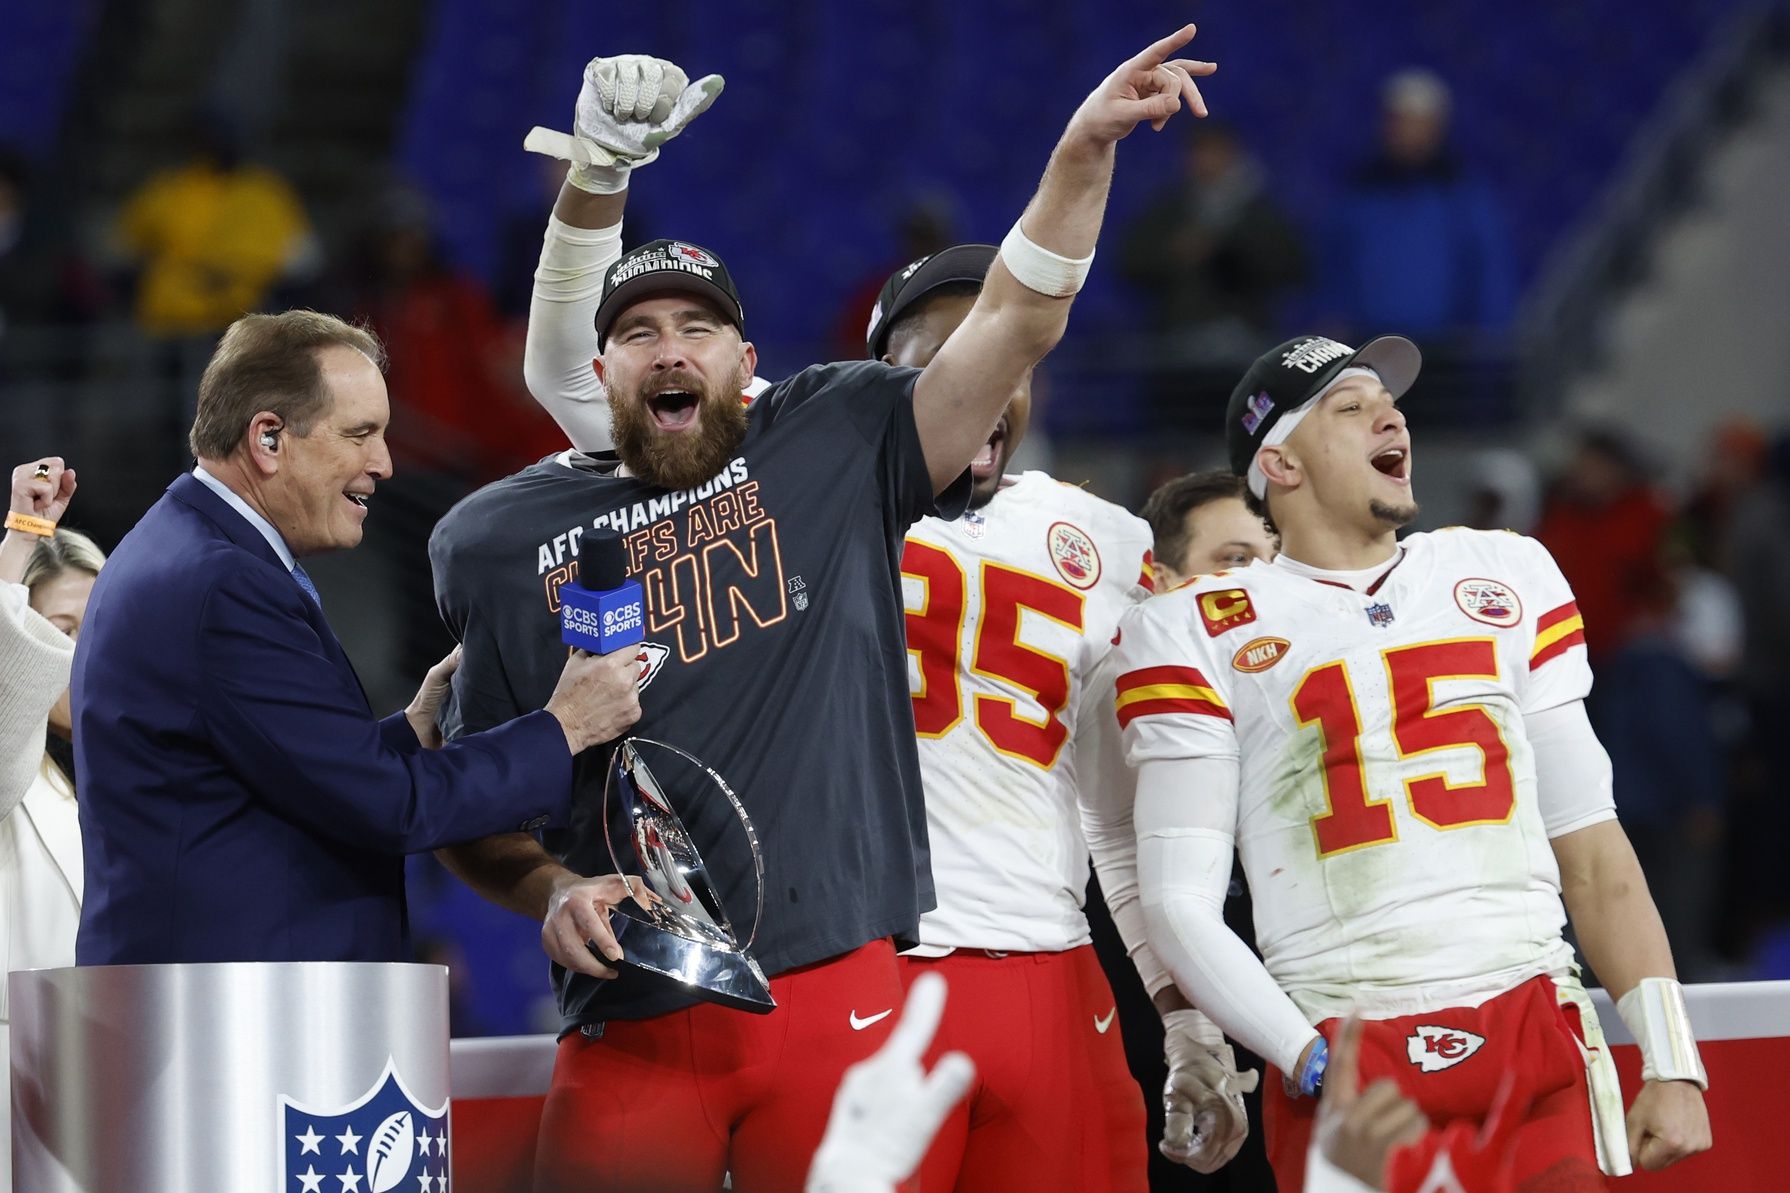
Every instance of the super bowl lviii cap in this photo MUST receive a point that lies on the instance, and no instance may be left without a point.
(1283, 379)
(666, 266)
(914, 281)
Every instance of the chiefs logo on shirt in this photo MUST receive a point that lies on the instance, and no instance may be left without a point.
(655, 655)
(1076, 558)
(1433, 1049)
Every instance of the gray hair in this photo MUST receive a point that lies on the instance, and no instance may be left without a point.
(269, 362)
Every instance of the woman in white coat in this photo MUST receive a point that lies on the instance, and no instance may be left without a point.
(44, 583)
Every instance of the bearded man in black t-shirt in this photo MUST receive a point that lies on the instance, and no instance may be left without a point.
(767, 537)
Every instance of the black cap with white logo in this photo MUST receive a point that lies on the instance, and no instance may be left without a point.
(1285, 378)
(912, 282)
(667, 266)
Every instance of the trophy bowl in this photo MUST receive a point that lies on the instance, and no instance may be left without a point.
(683, 934)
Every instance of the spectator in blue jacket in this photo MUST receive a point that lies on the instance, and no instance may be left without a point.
(1653, 712)
(1418, 240)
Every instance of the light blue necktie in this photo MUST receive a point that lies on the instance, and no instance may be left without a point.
(304, 582)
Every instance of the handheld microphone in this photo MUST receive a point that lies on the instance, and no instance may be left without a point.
(604, 610)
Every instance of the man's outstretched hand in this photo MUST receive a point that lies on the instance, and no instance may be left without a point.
(1149, 87)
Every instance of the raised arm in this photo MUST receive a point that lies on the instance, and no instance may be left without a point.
(583, 239)
(628, 106)
(35, 656)
(1024, 304)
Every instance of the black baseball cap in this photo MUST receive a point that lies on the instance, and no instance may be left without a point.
(1285, 378)
(914, 281)
(667, 265)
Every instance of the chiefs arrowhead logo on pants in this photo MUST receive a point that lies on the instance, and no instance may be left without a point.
(1433, 1049)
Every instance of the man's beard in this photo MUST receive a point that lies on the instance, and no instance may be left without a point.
(1392, 515)
(677, 459)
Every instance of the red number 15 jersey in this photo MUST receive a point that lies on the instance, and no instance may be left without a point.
(1388, 820)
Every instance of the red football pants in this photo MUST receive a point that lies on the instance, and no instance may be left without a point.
(673, 1103)
(1053, 1105)
(1436, 1062)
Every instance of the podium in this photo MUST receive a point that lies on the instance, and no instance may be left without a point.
(279, 1077)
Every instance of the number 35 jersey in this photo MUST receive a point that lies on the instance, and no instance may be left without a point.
(1010, 610)
(1388, 818)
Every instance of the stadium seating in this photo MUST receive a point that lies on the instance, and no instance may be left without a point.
(796, 174)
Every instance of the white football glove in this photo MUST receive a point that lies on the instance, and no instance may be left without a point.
(629, 106)
(1204, 1120)
(888, 1107)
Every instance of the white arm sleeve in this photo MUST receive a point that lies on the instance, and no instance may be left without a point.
(35, 661)
(1186, 818)
(1106, 789)
(562, 338)
(1572, 771)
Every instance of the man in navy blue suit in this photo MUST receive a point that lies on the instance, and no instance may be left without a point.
(239, 799)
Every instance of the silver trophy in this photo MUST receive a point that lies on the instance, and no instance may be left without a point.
(684, 934)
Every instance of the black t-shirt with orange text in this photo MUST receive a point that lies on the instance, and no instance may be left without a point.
(775, 632)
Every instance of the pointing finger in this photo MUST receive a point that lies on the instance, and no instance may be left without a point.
(948, 1082)
(919, 1019)
(1157, 53)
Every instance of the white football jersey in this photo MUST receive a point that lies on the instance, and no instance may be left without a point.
(1388, 819)
(1010, 609)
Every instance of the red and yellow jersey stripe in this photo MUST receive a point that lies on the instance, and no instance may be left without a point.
(1146, 579)
(1557, 632)
(1151, 691)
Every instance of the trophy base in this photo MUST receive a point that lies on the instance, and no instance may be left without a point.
(709, 972)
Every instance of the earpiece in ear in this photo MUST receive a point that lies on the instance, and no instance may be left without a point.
(270, 440)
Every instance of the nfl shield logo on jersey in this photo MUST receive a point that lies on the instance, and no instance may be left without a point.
(1379, 615)
(1433, 1049)
(383, 1140)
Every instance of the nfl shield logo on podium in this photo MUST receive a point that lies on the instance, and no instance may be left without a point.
(383, 1140)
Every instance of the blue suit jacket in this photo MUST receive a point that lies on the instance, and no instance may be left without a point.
(239, 800)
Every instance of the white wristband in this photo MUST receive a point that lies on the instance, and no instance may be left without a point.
(599, 180)
(593, 169)
(1040, 269)
(1655, 1014)
(1194, 1026)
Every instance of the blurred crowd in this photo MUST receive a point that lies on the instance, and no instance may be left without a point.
(1691, 649)
(1214, 264)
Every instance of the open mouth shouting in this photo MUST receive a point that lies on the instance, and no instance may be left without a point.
(673, 409)
(1394, 463)
(988, 461)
